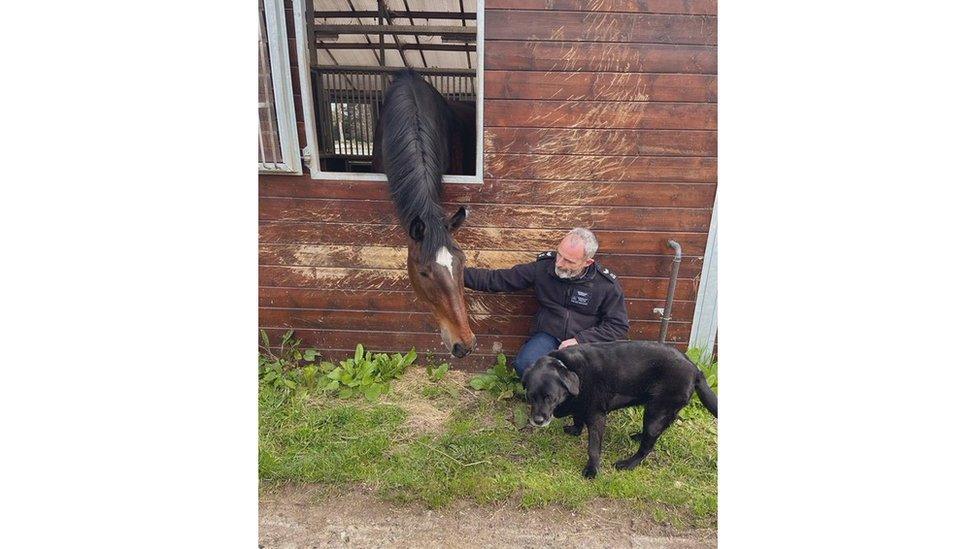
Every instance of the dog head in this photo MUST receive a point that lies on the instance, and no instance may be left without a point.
(547, 384)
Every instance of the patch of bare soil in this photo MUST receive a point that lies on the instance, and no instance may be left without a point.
(310, 516)
(426, 415)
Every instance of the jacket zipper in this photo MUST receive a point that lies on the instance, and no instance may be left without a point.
(569, 291)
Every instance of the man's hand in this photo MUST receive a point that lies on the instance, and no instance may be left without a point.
(568, 343)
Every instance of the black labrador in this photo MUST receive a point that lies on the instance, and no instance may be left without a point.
(587, 381)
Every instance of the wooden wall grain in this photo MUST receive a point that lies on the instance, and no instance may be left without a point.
(598, 113)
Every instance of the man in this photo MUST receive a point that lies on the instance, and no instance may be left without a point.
(580, 301)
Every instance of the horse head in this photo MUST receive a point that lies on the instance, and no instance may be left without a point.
(435, 264)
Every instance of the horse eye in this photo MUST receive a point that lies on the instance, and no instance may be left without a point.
(424, 274)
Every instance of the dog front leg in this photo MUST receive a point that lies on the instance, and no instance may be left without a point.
(595, 424)
(576, 429)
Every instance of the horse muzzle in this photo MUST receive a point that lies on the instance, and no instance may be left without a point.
(460, 351)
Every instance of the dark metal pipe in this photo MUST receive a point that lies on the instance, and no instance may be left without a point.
(675, 263)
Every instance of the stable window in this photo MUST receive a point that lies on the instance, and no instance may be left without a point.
(348, 52)
(277, 134)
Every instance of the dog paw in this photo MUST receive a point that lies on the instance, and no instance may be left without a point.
(573, 430)
(625, 465)
(589, 471)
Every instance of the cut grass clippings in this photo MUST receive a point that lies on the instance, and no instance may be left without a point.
(469, 446)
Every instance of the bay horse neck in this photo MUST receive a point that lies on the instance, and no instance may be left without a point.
(416, 125)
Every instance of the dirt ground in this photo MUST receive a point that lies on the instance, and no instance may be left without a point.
(309, 517)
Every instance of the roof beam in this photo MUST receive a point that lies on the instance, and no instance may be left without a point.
(398, 14)
(454, 32)
(375, 70)
(407, 46)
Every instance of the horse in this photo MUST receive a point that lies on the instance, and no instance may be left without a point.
(419, 129)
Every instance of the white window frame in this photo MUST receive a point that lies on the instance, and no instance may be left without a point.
(311, 152)
(274, 16)
(704, 325)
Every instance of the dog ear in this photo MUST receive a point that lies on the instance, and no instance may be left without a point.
(568, 378)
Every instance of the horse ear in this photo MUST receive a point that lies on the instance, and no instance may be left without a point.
(457, 219)
(417, 229)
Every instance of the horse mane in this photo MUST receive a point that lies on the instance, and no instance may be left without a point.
(416, 124)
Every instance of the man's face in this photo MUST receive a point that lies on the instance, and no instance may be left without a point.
(571, 258)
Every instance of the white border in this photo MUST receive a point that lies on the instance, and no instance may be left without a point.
(274, 11)
(311, 151)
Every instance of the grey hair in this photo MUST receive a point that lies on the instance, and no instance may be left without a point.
(588, 239)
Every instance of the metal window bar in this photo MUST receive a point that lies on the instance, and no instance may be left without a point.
(351, 98)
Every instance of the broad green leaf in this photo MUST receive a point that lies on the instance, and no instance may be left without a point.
(287, 336)
(411, 356)
(372, 392)
(359, 352)
(265, 339)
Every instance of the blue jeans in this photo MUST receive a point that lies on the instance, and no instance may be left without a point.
(536, 347)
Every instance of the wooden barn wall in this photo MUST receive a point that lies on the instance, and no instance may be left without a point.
(598, 113)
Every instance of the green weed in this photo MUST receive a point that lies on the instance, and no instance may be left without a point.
(500, 380)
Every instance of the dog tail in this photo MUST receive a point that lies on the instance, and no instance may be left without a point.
(705, 393)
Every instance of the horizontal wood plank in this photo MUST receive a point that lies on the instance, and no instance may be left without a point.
(600, 27)
(522, 303)
(385, 321)
(516, 113)
(617, 86)
(530, 217)
(394, 279)
(545, 167)
(392, 257)
(688, 7)
(600, 57)
(601, 142)
(398, 341)
(480, 238)
(514, 191)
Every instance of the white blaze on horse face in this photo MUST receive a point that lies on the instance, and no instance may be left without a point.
(445, 258)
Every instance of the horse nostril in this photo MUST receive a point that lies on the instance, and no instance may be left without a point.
(458, 350)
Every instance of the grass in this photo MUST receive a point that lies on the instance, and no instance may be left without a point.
(440, 442)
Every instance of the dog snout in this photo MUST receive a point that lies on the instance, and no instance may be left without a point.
(539, 420)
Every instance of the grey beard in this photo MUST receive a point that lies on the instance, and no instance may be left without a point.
(568, 274)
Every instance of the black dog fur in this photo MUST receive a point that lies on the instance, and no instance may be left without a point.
(587, 381)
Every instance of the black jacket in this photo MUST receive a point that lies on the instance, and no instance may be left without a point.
(589, 308)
